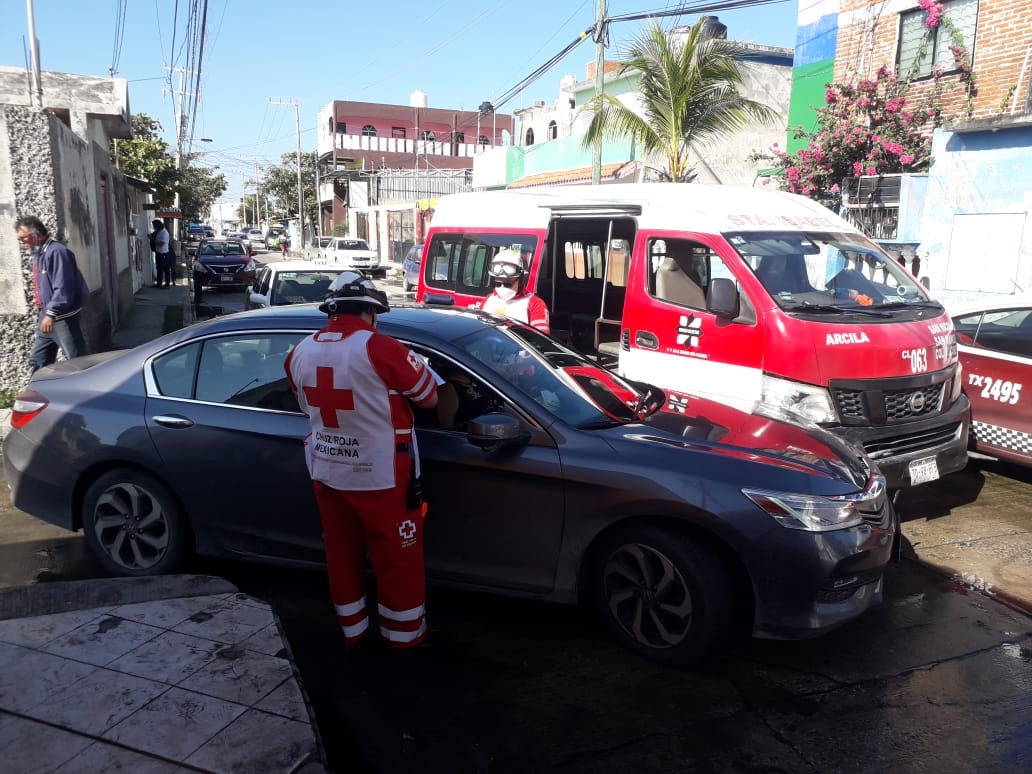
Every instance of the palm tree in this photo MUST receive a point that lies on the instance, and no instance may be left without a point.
(689, 93)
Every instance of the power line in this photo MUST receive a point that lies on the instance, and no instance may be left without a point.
(116, 52)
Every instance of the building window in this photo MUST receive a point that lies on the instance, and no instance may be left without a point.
(427, 136)
(398, 132)
(553, 130)
(342, 127)
(529, 137)
(921, 49)
(369, 130)
(460, 137)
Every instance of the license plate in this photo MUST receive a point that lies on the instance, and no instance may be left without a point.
(923, 470)
(230, 278)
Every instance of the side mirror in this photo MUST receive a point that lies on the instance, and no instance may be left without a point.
(494, 431)
(722, 298)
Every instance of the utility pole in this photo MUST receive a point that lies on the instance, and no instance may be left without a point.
(300, 191)
(37, 76)
(180, 130)
(600, 66)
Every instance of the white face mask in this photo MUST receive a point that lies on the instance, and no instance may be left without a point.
(504, 293)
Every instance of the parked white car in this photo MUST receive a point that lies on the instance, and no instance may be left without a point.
(347, 253)
(315, 249)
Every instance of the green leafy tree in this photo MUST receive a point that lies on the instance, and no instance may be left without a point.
(689, 93)
(199, 188)
(147, 157)
(280, 182)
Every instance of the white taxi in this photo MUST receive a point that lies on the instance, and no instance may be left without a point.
(290, 282)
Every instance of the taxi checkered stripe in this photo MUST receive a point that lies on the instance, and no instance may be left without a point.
(1002, 437)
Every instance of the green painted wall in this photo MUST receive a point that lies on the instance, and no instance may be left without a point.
(808, 86)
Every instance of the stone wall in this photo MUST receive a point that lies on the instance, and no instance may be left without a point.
(48, 171)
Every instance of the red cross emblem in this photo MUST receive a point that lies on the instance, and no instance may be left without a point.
(407, 529)
(327, 398)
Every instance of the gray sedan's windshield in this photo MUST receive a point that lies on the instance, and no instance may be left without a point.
(566, 384)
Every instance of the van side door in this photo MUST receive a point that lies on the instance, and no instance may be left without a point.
(675, 341)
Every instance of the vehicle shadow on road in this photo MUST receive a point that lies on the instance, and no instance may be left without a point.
(937, 499)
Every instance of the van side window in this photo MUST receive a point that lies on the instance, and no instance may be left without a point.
(679, 271)
(459, 262)
(588, 261)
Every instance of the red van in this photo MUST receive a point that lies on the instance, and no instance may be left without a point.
(760, 299)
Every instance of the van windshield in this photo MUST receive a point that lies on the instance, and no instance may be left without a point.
(826, 270)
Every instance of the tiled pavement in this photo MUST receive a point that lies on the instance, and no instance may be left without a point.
(177, 674)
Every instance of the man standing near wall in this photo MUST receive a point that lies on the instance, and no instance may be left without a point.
(59, 291)
(162, 254)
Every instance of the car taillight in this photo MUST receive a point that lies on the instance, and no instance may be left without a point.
(27, 406)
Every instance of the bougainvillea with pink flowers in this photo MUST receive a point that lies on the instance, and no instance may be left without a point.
(868, 128)
(873, 127)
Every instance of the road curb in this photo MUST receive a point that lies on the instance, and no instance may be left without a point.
(66, 596)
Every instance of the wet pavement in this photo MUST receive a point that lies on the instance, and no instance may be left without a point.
(937, 678)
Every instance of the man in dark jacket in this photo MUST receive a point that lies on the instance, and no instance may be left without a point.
(58, 290)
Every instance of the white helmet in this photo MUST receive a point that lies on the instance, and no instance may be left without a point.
(507, 264)
(351, 289)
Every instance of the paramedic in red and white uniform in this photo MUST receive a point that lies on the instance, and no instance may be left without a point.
(510, 297)
(356, 385)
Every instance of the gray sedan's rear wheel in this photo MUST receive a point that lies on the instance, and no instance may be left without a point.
(662, 593)
(133, 524)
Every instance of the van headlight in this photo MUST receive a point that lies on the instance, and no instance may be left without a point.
(807, 401)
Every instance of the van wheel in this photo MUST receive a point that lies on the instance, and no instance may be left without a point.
(133, 525)
(662, 593)
(407, 286)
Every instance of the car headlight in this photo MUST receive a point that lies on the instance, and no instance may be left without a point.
(251, 266)
(807, 401)
(810, 513)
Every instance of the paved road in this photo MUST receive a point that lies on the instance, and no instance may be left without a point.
(938, 678)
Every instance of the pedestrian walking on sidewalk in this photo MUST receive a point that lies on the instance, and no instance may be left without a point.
(59, 291)
(357, 387)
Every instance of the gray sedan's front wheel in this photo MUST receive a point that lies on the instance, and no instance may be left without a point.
(133, 524)
(662, 593)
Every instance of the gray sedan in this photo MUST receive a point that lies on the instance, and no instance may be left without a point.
(546, 477)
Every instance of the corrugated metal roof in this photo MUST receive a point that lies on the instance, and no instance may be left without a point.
(576, 176)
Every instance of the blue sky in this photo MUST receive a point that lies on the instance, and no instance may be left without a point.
(458, 52)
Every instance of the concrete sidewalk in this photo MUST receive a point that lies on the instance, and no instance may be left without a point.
(149, 674)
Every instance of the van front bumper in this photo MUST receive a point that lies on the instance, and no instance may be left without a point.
(893, 448)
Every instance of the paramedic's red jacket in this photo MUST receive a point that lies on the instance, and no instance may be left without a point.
(359, 404)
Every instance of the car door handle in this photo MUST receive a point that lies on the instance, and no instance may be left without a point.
(166, 420)
(646, 340)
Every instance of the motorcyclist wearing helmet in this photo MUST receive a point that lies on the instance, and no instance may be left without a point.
(510, 296)
(357, 386)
